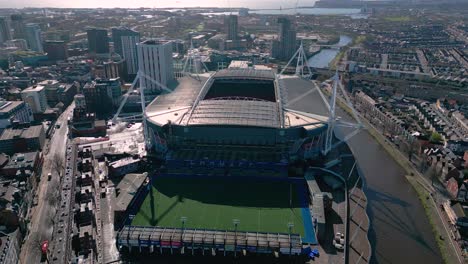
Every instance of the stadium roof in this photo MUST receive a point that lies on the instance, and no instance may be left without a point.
(187, 105)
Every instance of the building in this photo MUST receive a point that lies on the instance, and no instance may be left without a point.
(10, 247)
(285, 46)
(50, 87)
(102, 96)
(5, 31)
(98, 42)
(22, 162)
(21, 44)
(83, 123)
(118, 34)
(125, 193)
(66, 92)
(56, 50)
(33, 37)
(14, 111)
(155, 65)
(235, 112)
(35, 96)
(25, 139)
(17, 23)
(129, 53)
(230, 27)
(123, 166)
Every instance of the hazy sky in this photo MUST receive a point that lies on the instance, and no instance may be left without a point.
(153, 3)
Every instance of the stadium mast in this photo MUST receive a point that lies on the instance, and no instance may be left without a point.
(302, 66)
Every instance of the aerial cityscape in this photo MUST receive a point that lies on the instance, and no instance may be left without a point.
(331, 131)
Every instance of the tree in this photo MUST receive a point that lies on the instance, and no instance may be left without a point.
(435, 138)
(58, 163)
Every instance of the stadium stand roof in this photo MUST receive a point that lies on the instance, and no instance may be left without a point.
(187, 105)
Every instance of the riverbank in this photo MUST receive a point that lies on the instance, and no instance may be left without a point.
(420, 186)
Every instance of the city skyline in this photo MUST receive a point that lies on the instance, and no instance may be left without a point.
(156, 4)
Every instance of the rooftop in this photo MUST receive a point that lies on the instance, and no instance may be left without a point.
(127, 188)
(7, 106)
(35, 88)
(28, 132)
(240, 97)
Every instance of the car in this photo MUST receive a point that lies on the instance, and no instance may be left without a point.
(49, 176)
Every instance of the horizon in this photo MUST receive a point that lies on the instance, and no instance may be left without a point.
(20, 4)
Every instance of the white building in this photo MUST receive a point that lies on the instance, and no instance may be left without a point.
(129, 51)
(14, 111)
(33, 36)
(155, 64)
(35, 96)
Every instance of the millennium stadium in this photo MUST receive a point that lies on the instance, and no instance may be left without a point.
(229, 185)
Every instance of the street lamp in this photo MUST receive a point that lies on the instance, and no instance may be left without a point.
(236, 222)
(290, 227)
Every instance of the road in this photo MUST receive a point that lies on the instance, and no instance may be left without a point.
(41, 226)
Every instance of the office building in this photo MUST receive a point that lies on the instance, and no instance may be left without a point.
(14, 111)
(155, 64)
(230, 27)
(25, 139)
(33, 37)
(118, 33)
(5, 31)
(98, 42)
(129, 53)
(56, 50)
(19, 30)
(285, 46)
(35, 97)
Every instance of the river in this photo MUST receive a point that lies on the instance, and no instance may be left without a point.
(400, 231)
(325, 56)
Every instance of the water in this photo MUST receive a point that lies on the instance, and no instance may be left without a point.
(303, 11)
(325, 56)
(400, 231)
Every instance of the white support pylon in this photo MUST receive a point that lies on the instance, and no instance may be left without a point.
(331, 118)
(191, 64)
(302, 66)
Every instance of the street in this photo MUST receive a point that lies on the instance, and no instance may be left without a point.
(41, 225)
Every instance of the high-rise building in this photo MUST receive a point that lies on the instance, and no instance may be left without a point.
(33, 37)
(286, 47)
(118, 33)
(98, 42)
(56, 50)
(35, 96)
(5, 32)
(19, 30)
(129, 53)
(230, 27)
(155, 64)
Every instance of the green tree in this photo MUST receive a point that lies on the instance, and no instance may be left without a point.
(435, 138)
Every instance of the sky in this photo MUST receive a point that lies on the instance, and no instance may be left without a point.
(154, 3)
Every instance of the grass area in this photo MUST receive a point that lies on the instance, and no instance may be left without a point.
(398, 18)
(429, 209)
(213, 203)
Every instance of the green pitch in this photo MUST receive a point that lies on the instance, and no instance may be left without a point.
(261, 206)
